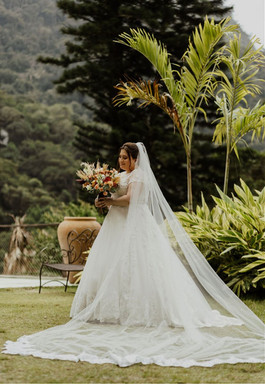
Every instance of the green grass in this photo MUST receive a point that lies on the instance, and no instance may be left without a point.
(24, 311)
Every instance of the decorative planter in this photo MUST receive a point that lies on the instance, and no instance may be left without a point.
(76, 235)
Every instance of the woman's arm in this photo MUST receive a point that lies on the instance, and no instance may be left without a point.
(122, 201)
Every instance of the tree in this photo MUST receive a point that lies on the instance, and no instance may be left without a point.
(93, 63)
(185, 95)
(236, 84)
(38, 163)
(28, 29)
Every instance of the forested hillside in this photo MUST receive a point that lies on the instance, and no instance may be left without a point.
(37, 166)
(29, 28)
(37, 125)
(37, 157)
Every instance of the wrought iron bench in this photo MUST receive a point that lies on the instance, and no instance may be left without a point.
(73, 258)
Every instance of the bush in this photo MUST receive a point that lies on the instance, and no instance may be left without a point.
(80, 208)
(232, 236)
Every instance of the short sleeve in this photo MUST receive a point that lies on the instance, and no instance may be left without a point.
(136, 176)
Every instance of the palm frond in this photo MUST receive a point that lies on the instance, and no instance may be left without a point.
(244, 120)
(201, 60)
(148, 93)
(243, 68)
(156, 53)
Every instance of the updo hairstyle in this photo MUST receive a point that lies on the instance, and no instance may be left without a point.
(131, 150)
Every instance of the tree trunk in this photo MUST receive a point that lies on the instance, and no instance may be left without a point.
(227, 161)
(227, 169)
(189, 182)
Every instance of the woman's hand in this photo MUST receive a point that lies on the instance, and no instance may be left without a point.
(96, 202)
(103, 202)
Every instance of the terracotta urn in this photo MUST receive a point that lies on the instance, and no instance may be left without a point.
(74, 236)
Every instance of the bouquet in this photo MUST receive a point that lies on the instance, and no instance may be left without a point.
(99, 180)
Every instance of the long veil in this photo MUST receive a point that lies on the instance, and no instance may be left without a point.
(158, 300)
(203, 274)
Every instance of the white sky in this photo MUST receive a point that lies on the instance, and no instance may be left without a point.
(251, 16)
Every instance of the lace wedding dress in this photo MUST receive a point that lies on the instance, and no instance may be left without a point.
(147, 295)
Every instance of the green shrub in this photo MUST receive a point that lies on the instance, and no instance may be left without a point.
(81, 208)
(232, 236)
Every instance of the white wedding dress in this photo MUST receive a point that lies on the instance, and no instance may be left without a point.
(147, 295)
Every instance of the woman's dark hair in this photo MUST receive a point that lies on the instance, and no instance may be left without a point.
(131, 150)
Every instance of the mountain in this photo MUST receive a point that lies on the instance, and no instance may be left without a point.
(29, 28)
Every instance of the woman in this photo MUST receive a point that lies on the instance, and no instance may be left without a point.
(147, 294)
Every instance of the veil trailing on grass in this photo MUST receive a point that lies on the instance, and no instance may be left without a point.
(202, 273)
(147, 295)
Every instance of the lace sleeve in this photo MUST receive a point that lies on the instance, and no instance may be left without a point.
(138, 191)
(136, 176)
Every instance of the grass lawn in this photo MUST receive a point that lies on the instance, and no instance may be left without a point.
(24, 311)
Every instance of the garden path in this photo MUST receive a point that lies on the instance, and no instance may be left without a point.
(10, 281)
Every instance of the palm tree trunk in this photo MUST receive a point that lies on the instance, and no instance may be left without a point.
(227, 167)
(189, 181)
(228, 152)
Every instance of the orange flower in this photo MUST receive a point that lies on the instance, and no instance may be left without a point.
(116, 180)
(98, 179)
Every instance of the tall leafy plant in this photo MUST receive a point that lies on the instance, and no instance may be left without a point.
(231, 236)
(237, 82)
(187, 89)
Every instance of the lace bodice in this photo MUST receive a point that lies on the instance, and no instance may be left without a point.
(124, 181)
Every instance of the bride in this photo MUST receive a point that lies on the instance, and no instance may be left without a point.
(147, 294)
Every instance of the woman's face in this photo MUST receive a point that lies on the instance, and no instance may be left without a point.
(124, 161)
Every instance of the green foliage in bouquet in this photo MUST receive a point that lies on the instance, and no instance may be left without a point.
(232, 236)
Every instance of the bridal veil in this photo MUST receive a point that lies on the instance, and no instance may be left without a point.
(159, 301)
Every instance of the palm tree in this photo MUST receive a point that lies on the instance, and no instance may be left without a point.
(185, 94)
(235, 85)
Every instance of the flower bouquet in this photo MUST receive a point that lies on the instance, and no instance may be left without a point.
(98, 180)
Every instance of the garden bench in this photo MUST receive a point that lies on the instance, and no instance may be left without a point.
(73, 258)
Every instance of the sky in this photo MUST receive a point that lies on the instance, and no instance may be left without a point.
(251, 16)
